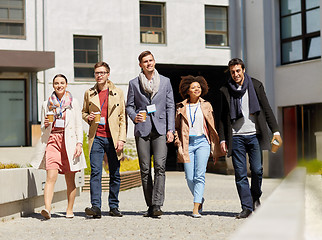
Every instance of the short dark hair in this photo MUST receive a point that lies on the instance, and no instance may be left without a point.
(236, 61)
(144, 54)
(186, 82)
(60, 75)
(102, 64)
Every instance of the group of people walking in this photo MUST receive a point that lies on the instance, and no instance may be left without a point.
(157, 121)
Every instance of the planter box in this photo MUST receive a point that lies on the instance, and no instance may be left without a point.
(22, 191)
(129, 180)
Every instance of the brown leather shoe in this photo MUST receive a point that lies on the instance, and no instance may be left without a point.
(157, 211)
(244, 214)
(93, 211)
(149, 213)
(114, 212)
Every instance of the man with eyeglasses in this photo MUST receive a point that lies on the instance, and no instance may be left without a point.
(151, 93)
(107, 135)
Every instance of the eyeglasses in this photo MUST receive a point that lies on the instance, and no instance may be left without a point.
(100, 73)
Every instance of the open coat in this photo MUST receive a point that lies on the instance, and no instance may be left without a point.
(73, 135)
(263, 118)
(182, 130)
(138, 99)
(115, 110)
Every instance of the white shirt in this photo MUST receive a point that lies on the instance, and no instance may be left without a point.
(246, 124)
(197, 118)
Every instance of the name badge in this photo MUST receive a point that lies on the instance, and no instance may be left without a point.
(102, 121)
(192, 132)
(151, 108)
(60, 123)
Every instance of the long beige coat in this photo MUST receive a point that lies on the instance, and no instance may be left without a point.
(73, 135)
(182, 130)
(116, 114)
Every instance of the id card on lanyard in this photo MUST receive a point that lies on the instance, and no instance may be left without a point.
(102, 119)
(60, 122)
(192, 131)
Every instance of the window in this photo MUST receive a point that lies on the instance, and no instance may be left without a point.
(13, 103)
(216, 22)
(152, 27)
(300, 30)
(87, 52)
(12, 18)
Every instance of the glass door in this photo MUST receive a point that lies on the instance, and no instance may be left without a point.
(12, 113)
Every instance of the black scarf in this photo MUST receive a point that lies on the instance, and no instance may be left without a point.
(236, 96)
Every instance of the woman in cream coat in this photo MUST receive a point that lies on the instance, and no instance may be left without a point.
(60, 147)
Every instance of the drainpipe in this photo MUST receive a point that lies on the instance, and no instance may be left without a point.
(242, 30)
(43, 43)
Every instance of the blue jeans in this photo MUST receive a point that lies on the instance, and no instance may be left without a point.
(195, 170)
(101, 146)
(243, 144)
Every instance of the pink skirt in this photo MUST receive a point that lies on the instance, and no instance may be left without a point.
(56, 155)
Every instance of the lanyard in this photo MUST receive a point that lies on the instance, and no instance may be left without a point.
(104, 100)
(60, 105)
(194, 114)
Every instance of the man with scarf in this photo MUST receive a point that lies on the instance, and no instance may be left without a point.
(151, 92)
(243, 129)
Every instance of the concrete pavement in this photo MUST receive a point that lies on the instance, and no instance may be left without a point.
(218, 221)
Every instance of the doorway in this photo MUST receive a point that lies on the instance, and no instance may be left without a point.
(13, 113)
(300, 123)
(215, 76)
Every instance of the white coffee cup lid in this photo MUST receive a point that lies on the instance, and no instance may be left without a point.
(50, 113)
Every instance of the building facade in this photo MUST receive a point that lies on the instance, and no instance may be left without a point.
(279, 41)
(185, 36)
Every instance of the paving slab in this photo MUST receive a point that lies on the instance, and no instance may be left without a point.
(218, 220)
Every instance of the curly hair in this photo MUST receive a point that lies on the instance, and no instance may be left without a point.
(186, 82)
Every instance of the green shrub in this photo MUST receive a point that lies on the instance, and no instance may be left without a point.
(312, 166)
(127, 164)
(86, 153)
(9, 165)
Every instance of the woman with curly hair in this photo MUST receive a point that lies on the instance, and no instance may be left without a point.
(196, 136)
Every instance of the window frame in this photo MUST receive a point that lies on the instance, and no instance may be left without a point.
(8, 21)
(304, 37)
(154, 29)
(212, 32)
(86, 65)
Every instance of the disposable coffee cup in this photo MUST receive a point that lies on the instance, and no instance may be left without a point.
(97, 117)
(143, 113)
(275, 146)
(50, 116)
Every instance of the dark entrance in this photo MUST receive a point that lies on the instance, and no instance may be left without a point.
(300, 123)
(215, 76)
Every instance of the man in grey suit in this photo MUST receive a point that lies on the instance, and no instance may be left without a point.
(151, 92)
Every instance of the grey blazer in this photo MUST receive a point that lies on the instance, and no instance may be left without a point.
(138, 99)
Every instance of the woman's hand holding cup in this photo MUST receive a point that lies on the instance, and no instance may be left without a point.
(46, 122)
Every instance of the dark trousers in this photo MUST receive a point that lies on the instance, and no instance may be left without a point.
(153, 190)
(243, 144)
(101, 146)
